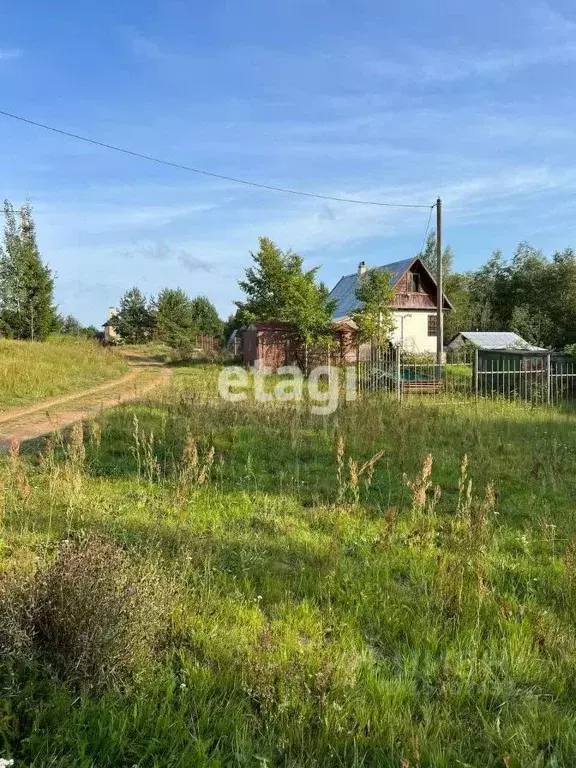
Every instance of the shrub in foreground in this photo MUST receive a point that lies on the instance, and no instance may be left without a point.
(94, 615)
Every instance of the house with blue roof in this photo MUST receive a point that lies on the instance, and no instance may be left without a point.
(414, 307)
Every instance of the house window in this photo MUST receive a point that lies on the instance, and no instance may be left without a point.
(414, 282)
(432, 325)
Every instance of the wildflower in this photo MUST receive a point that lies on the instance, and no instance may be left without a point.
(4, 763)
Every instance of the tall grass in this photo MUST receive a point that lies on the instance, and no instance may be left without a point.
(383, 587)
(31, 371)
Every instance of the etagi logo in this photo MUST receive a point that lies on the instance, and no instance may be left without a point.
(320, 389)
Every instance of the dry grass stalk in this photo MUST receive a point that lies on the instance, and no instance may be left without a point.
(150, 463)
(52, 469)
(17, 478)
(478, 517)
(72, 475)
(136, 448)
(194, 471)
(75, 451)
(388, 526)
(425, 495)
(353, 479)
(206, 468)
(356, 471)
(471, 544)
(95, 433)
(340, 479)
(463, 484)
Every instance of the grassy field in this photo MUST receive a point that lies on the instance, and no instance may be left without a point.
(200, 583)
(30, 371)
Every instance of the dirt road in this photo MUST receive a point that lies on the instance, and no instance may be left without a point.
(52, 414)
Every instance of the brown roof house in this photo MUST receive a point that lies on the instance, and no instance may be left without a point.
(413, 308)
(273, 344)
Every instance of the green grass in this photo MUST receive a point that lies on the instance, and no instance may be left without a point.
(316, 622)
(31, 371)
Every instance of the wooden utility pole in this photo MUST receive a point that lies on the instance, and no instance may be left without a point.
(440, 283)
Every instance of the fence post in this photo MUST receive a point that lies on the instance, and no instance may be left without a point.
(398, 376)
(476, 374)
(548, 379)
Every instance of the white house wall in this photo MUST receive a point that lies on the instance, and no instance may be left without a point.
(415, 331)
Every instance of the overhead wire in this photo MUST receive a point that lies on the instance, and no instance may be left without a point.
(211, 174)
(427, 228)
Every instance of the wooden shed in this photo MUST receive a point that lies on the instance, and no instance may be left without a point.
(268, 344)
(274, 344)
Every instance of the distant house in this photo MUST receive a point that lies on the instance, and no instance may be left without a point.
(414, 306)
(493, 341)
(110, 333)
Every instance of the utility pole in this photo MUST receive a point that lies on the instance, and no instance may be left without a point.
(440, 283)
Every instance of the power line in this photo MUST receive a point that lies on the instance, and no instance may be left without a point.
(427, 227)
(181, 167)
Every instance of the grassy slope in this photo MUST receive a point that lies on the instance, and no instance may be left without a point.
(311, 632)
(32, 371)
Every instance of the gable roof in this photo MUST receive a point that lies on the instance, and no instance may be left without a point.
(344, 292)
(498, 340)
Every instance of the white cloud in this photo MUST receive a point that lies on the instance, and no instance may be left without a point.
(428, 65)
(10, 53)
(119, 217)
(554, 32)
(551, 20)
(160, 251)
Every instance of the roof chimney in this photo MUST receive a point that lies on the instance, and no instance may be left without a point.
(362, 268)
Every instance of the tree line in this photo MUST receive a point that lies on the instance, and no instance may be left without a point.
(28, 311)
(27, 308)
(172, 318)
(530, 294)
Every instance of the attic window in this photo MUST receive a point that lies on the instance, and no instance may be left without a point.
(414, 285)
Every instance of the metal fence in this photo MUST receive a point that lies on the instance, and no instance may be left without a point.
(537, 378)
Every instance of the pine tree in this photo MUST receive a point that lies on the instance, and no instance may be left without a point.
(205, 317)
(70, 326)
(135, 319)
(175, 323)
(26, 283)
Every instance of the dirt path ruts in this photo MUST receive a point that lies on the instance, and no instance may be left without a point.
(14, 413)
(55, 413)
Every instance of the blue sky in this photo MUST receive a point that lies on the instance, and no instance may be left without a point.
(387, 101)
